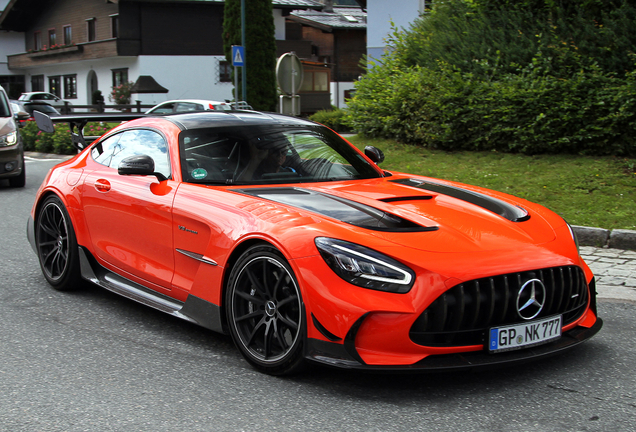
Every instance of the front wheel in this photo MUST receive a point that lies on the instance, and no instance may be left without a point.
(57, 246)
(265, 311)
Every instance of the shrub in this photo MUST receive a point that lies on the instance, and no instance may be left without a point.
(59, 142)
(120, 94)
(530, 111)
(334, 119)
(557, 101)
(29, 134)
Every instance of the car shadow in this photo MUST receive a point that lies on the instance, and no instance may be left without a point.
(389, 387)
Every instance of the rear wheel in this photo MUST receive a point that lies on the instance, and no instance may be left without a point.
(265, 311)
(57, 246)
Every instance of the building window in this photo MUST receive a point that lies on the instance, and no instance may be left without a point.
(37, 41)
(90, 29)
(120, 76)
(70, 86)
(315, 82)
(55, 86)
(225, 71)
(68, 35)
(114, 26)
(52, 37)
(37, 83)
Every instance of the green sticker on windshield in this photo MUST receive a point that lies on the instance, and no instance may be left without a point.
(199, 173)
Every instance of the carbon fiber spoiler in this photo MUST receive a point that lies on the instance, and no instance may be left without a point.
(77, 122)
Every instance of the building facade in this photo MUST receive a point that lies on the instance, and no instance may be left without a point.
(74, 47)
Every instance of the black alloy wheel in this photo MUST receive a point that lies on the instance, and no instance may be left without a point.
(57, 246)
(265, 311)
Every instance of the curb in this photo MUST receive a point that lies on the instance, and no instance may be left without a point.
(600, 237)
(38, 155)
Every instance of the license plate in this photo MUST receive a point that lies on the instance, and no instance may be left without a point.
(517, 336)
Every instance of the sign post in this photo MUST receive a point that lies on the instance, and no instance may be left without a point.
(238, 60)
(289, 74)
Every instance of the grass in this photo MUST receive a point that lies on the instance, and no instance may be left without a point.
(585, 190)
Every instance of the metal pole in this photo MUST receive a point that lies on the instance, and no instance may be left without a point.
(244, 68)
(293, 86)
(235, 88)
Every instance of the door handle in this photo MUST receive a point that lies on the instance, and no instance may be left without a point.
(102, 185)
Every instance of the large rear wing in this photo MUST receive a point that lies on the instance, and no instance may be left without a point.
(77, 122)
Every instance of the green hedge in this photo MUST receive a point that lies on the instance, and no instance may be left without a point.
(484, 75)
(530, 111)
(60, 141)
(334, 119)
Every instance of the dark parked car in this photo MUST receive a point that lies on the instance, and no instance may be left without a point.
(29, 107)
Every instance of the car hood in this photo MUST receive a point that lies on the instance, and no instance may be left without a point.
(424, 214)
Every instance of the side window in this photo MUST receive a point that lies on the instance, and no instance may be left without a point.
(188, 106)
(142, 142)
(164, 109)
(103, 152)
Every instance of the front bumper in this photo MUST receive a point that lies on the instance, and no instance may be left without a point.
(344, 355)
(11, 161)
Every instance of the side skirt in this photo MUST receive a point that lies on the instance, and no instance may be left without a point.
(194, 309)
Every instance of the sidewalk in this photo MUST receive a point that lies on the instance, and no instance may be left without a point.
(615, 271)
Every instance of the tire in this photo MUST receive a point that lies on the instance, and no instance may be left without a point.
(20, 180)
(265, 311)
(57, 246)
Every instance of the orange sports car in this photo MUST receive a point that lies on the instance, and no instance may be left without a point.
(279, 232)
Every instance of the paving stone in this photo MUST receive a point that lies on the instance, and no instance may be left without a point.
(613, 261)
(608, 254)
(613, 292)
(611, 281)
(620, 273)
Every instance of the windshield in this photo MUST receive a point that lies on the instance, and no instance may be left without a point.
(269, 154)
(5, 111)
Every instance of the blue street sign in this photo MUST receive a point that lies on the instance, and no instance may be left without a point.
(238, 55)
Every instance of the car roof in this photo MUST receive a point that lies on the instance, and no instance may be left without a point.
(212, 119)
(200, 101)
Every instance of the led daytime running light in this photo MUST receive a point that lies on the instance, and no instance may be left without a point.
(407, 277)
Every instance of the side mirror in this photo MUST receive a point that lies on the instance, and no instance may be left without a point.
(139, 165)
(374, 153)
(44, 122)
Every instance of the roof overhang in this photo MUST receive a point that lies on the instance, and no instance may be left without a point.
(18, 14)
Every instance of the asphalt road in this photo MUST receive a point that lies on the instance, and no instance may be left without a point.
(92, 361)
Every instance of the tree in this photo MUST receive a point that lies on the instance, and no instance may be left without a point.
(260, 49)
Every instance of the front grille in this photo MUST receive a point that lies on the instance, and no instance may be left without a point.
(462, 315)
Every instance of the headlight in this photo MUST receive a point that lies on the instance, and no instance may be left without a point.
(9, 139)
(365, 267)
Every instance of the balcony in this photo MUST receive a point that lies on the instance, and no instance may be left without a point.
(83, 51)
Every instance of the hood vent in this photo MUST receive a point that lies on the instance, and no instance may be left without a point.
(508, 211)
(344, 210)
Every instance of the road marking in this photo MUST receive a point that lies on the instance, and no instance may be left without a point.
(28, 158)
